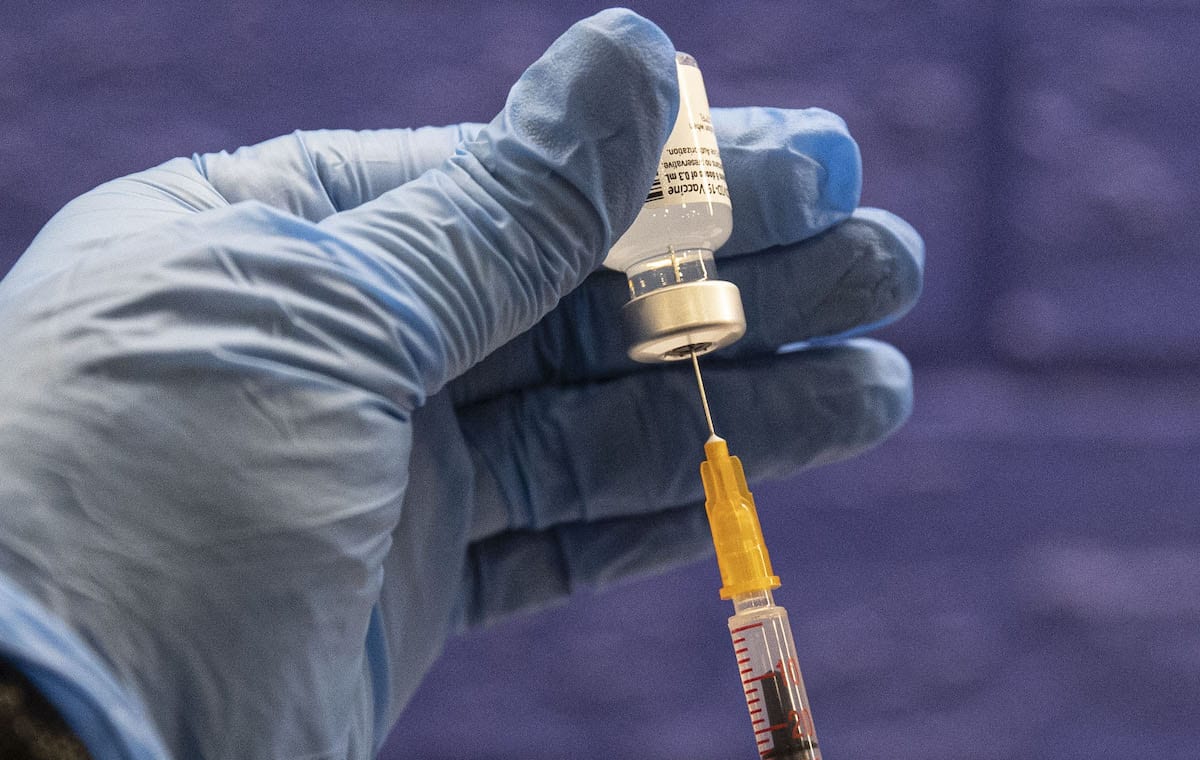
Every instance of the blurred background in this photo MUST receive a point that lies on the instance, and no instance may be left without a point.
(1017, 571)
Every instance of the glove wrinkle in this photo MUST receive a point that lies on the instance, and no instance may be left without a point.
(313, 167)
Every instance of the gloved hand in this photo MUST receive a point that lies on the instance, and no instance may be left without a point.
(275, 423)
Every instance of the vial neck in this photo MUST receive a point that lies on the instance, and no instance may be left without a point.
(671, 267)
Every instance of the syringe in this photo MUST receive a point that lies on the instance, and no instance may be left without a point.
(762, 637)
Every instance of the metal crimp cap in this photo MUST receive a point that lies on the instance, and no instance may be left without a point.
(669, 323)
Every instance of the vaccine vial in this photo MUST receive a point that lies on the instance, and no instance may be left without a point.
(677, 307)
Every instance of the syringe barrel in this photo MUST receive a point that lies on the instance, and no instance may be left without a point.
(771, 680)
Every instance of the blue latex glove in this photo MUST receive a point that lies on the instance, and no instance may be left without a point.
(274, 424)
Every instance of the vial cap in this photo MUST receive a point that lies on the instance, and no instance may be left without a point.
(669, 323)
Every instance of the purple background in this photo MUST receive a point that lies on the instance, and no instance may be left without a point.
(1017, 572)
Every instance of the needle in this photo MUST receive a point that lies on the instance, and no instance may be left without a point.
(703, 395)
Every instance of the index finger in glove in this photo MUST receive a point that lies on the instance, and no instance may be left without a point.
(861, 274)
(791, 174)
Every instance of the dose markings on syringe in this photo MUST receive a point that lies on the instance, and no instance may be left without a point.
(777, 714)
(755, 712)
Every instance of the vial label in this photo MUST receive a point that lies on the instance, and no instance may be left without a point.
(690, 170)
